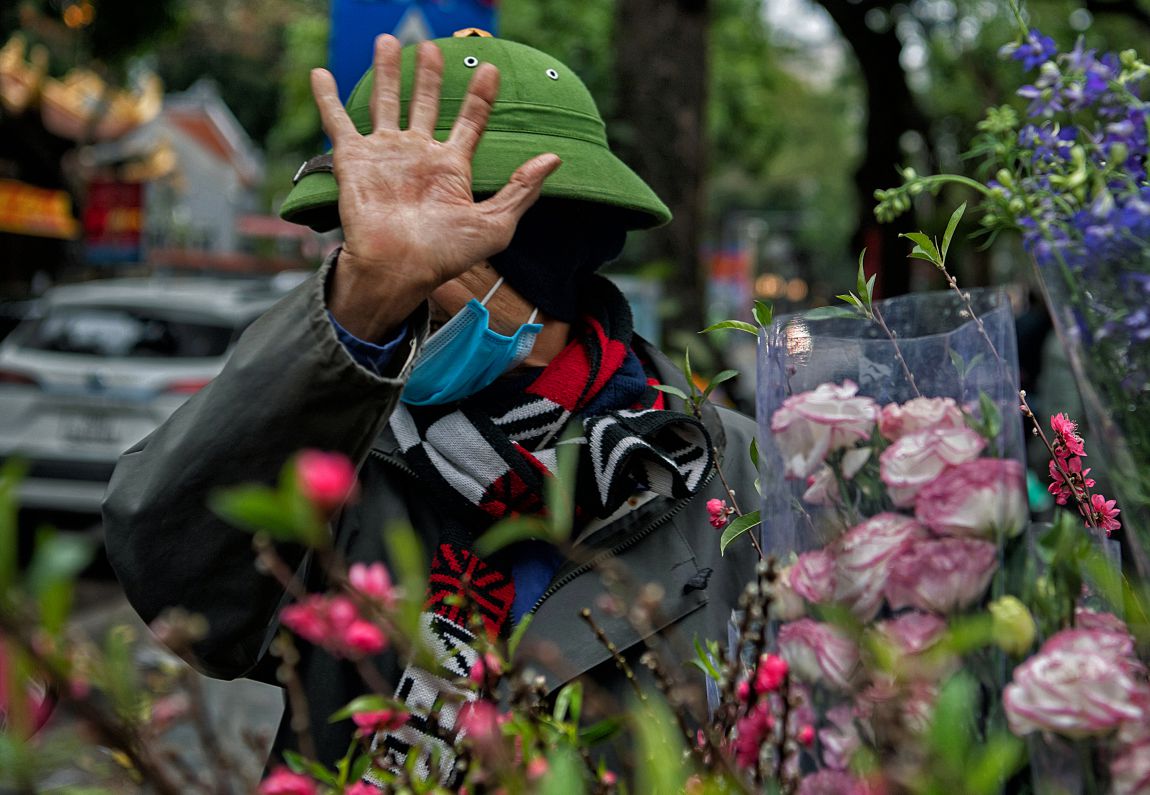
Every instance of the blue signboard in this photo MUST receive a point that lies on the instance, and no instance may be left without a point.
(356, 23)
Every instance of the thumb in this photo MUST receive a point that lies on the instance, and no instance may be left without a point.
(507, 206)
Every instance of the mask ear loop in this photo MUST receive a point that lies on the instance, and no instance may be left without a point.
(491, 292)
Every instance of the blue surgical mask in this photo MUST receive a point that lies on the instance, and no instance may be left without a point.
(465, 355)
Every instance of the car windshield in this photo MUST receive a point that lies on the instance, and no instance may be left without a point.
(124, 332)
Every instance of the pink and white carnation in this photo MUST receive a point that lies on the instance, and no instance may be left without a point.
(840, 739)
(983, 498)
(819, 653)
(813, 577)
(941, 575)
(1081, 683)
(833, 782)
(822, 487)
(920, 414)
(1130, 765)
(918, 458)
(863, 556)
(1085, 618)
(811, 424)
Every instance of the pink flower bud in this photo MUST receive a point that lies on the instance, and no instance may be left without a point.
(326, 479)
(361, 788)
(743, 690)
(609, 778)
(536, 768)
(284, 782)
(381, 720)
(771, 672)
(806, 735)
(363, 637)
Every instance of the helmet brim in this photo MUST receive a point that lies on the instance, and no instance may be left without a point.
(590, 172)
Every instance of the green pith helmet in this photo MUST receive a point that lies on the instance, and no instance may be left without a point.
(542, 107)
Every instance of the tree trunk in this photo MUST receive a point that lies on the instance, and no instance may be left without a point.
(659, 129)
(891, 112)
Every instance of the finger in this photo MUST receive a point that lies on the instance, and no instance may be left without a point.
(335, 121)
(507, 206)
(424, 109)
(385, 93)
(476, 109)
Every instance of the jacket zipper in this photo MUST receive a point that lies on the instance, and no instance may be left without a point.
(623, 546)
(583, 568)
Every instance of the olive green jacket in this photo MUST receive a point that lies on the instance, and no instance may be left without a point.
(290, 384)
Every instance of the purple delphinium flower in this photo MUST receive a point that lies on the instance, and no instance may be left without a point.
(1033, 52)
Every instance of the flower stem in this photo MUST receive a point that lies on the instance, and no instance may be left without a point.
(734, 502)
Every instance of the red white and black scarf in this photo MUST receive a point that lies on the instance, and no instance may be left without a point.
(488, 458)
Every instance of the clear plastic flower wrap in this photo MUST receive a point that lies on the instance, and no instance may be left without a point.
(913, 412)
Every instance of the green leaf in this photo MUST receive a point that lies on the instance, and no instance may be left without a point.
(11, 473)
(370, 703)
(300, 764)
(951, 727)
(959, 364)
(764, 313)
(598, 732)
(851, 299)
(518, 633)
(510, 531)
(704, 661)
(924, 243)
(672, 390)
(740, 325)
(660, 765)
(259, 509)
(753, 452)
(736, 528)
(829, 313)
(58, 559)
(406, 558)
(722, 377)
(1001, 758)
(569, 703)
(860, 279)
(955, 217)
(991, 416)
(559, 491)
(359, 767)
(564, 774)
(870, 290)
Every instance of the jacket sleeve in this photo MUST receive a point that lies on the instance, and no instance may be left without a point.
(289, 384)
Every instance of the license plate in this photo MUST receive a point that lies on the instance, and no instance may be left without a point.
(91, 427)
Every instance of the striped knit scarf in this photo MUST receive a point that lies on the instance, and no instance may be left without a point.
(488, 459)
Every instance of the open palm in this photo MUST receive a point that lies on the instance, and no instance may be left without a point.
(405, 200)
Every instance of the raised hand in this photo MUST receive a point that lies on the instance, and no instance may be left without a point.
(409, 220)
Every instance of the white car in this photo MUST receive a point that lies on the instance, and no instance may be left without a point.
(99, 365)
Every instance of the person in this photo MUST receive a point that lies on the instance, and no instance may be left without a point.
(458, 338)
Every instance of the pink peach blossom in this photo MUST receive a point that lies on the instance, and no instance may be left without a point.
(361, 788)
(983, 498)
(1103, 514)
(770, 673)
(918, 458)
(479, 722)
(941, 575)
(811, 424)
(751, 732)
(373, 581)
(863, 556)
(1079, 684)
(282, 781)
(326, 479)
(819, 652)
(1066, 440)
(381, 720)
(920, 414)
